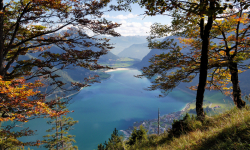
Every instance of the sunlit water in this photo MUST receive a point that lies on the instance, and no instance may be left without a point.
(115, 103)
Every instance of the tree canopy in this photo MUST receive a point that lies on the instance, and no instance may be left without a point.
(34, 27)
(194, 21)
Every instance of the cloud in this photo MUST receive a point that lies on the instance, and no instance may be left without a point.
(127, 28)
(122, 17)
(134, 28)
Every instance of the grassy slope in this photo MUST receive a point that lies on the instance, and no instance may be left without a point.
(216, 98)
(230, 130)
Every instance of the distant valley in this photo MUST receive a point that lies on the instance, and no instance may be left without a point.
(123, 42)
(132, 55)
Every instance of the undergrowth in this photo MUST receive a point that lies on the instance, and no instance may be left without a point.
(230, 130)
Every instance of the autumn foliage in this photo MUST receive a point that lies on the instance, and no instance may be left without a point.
(17, 104)
(200, 24)
(28, 31)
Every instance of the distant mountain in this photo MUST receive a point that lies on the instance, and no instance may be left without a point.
(122, 42)
(135, 51)
(108, 57)
(145, 61)
(74, 74)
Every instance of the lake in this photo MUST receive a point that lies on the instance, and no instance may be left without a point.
(115, 103)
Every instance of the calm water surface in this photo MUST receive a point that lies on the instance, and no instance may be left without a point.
(115, 103)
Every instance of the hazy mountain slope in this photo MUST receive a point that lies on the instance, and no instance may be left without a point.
(74, 74)
(243, 77)
(108, 57)
(153, 52)
(145, 61)
(122, 42)
(135, 51)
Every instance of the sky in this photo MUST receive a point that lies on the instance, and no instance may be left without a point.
(134, 23)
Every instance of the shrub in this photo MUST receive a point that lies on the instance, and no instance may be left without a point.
(137, 135)
(183, 126)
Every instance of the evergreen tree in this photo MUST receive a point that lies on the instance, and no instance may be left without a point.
(137, 135)
(60, 139)
(114, 143)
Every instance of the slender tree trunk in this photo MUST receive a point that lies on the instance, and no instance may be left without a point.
(158, 121)
(202, 85)
(1, 40)
(62, 142)
(236, 87)
(204, 33)
(57, 124)
(1, 51)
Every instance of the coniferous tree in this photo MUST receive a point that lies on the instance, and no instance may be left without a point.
(137, 135)
(114, 143)
(60, 139)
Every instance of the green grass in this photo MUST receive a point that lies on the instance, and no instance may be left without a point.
(216, 98)
(229, 130)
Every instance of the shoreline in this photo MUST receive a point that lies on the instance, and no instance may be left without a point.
(166, 122)
(74, 93)
(187, 106)
(117, 69)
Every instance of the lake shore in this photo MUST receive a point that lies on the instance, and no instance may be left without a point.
(77, 91)
(117, 69)
(150, 125)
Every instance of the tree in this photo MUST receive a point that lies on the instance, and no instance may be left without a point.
(235, 47)
(228, 49)
(114, 143)
(186, 15)
(16, 106)
(60, 139)
(137, 135)
(34, 26)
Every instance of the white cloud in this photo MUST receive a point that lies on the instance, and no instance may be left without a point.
(134, 28)
(122, 17)
(147, 24)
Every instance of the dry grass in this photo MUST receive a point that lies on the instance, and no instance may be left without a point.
(230, 130)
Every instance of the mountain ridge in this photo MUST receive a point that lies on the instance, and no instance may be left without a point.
(138, 51)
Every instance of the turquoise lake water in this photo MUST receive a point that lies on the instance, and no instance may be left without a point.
(115, 103)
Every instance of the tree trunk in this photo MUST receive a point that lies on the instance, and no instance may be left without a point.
(204, 34)
(62, 142)
(236, 87)
(158, 121)
(1, 40)
(201, 86)
(202, 80)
